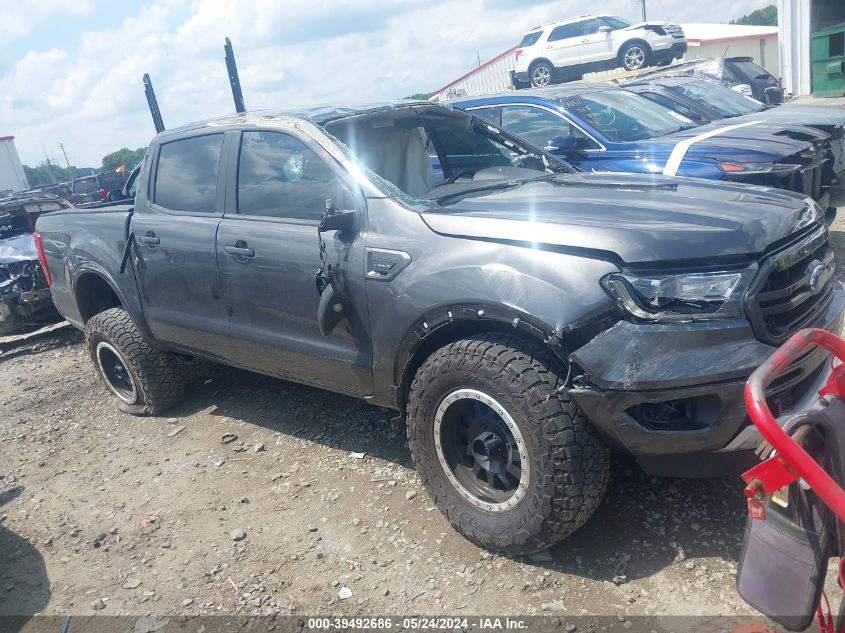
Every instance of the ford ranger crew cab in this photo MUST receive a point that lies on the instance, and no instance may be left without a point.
(524, 318)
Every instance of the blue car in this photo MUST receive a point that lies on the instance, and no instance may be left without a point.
(599, 127)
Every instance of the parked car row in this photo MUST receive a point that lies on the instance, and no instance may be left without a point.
(602, 127)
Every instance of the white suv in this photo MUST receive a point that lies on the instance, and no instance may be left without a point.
(565, 50)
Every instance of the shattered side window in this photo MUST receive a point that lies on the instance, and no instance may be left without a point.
(387, 187)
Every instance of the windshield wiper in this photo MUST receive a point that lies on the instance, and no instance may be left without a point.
(505, 184)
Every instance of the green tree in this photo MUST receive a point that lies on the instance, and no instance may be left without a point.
(44, 174)
(123, 156)
(767, 16)
(418, 96)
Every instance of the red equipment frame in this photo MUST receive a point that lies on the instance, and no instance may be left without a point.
(791, 461)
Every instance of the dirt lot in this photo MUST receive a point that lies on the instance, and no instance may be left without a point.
(108, 513)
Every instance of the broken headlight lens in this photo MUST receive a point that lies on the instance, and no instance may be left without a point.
(680, 297)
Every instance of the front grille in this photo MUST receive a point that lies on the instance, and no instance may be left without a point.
(793, 286)
(808, 179)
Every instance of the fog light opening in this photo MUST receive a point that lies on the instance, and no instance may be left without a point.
(665, 416)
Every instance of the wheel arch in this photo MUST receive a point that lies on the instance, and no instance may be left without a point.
(451, 323)
(94, 292)
(541, 60)
(634, 40)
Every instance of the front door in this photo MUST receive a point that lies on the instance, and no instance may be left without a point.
(548, 130)
(174, 228)
(596, 45)
(268, 256)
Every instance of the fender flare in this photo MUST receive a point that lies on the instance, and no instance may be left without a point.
(92, 268)
(484, 316)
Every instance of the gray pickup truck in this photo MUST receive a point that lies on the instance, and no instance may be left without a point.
(523, 317)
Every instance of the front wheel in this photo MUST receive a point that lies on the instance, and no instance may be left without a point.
(507, 457)
(541, 74)
(634, 56)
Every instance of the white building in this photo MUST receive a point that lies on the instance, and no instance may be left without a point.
(11, 170)
(797, 21)
(734, 40)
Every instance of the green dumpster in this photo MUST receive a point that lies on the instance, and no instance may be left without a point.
(828, 55)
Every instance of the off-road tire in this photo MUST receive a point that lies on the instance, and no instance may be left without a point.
(157, 375)
(569, 463)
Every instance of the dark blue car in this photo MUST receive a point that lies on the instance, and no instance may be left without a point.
(599, 127)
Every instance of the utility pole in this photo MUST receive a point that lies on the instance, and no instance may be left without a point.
(49, 166)
(642, 2)
(67, 162)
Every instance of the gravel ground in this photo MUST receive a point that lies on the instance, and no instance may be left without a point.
(313, 509)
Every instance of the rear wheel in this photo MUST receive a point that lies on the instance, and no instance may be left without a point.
(541, 74)
(507, 457)
(143, 379)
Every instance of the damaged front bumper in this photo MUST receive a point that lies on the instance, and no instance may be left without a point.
(661, 390)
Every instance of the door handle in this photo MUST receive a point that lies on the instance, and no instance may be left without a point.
(239, 251)
(150, 239)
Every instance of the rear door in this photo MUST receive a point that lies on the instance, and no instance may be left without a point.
(175, 227)
(268, 256)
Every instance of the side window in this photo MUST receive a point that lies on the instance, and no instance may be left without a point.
(465, 151)
(671, 104)
(280, 176)
(186, 178)
(491, 114)
(591, 26)
(543, 128)
(564, 31)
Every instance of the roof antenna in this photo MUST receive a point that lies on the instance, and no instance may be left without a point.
(153, 103)
(234, 81)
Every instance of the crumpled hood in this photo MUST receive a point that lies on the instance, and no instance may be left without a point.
(635, 218)
(744, 141)
(19, 248)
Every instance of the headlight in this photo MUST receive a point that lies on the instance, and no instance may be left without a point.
(778, 169)
(680, 297)
(812, 214)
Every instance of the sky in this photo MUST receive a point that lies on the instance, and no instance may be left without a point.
(70, 70)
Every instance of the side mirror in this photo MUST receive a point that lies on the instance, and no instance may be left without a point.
(605, 29)
(343, 220)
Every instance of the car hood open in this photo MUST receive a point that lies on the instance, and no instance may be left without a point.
(628, 218)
